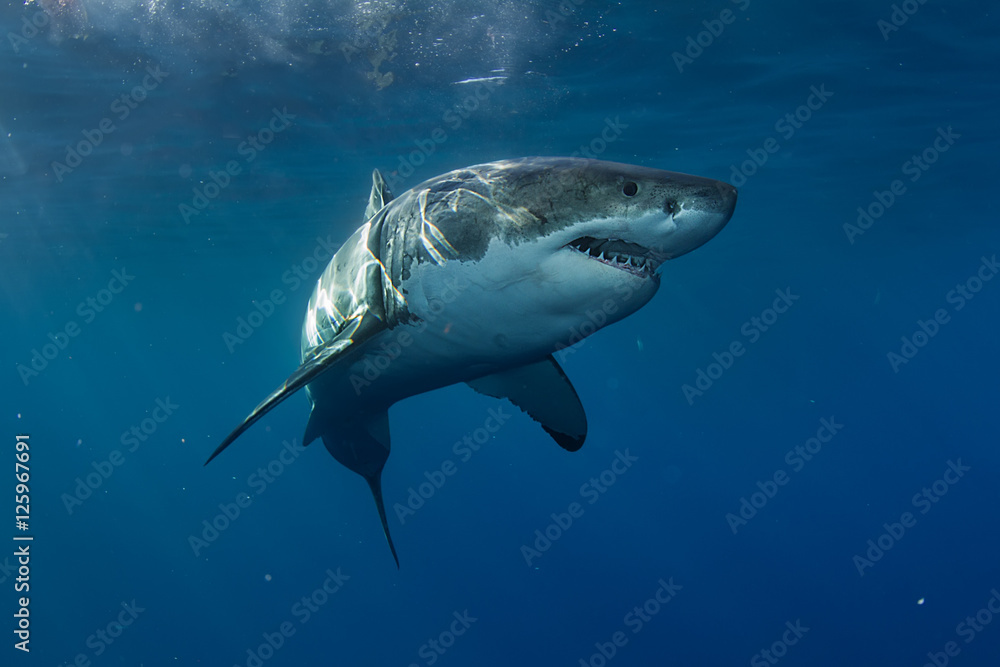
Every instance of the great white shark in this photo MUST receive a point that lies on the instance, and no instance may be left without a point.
(478, 276)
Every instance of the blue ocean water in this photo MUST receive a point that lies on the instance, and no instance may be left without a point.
(806, 406)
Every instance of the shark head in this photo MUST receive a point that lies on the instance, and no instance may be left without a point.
(613, 225)
(567, 234)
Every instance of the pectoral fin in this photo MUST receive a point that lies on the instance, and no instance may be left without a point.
(543, 391)
(320, 360)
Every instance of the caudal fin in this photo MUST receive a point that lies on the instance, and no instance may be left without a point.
(375, 484)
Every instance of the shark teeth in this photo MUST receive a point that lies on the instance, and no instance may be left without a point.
(620, 254)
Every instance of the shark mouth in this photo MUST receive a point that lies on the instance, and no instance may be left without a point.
(623, 255)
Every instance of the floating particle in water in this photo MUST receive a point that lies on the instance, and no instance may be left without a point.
(267, 577)
(920, 601)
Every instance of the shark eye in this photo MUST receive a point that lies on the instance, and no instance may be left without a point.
(630, 189)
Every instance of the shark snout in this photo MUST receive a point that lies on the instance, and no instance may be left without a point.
(727, 195)
(699, 212)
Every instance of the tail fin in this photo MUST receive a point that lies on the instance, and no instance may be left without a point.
(375, 483)
(360, 443)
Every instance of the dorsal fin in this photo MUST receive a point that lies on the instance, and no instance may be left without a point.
(543, 391)
(379, 197)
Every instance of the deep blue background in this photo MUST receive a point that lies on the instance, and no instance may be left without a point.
(229, 65)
